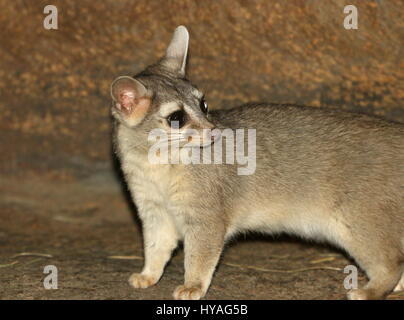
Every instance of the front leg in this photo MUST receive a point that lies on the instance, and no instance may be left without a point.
(203, 246)
(160, 239)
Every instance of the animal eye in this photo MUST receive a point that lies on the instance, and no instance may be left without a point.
(204, 105)
(177, 118)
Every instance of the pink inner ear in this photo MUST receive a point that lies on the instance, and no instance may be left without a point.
(126, 100)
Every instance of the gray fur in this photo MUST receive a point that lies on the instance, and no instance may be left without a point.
(321, 174)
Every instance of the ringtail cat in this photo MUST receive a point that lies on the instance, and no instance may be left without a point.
(320, 174)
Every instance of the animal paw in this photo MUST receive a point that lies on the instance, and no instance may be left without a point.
(188, 293)
(138, 280)
(357, 294)
(364, 294)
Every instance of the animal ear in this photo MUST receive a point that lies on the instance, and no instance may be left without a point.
(128, 95)
(176, 53)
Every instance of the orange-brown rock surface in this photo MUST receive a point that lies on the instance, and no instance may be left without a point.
(54, 84)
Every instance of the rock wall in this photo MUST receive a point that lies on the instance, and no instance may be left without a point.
(54, 84)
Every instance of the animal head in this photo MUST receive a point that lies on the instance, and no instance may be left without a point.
(162, 98)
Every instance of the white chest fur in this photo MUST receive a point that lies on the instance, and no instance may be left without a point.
(159, 191)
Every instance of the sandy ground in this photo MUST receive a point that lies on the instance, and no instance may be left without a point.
(89, 231)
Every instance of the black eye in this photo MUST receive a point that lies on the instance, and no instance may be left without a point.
(176, 119)
(204, 105)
